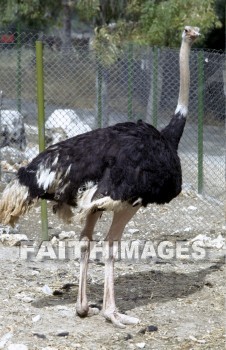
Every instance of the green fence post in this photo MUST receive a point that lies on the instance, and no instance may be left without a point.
(200, 119)
(19, 72)
(0, 133)
(155, 87)
(99, 95)
(130, 82)
(41, 126)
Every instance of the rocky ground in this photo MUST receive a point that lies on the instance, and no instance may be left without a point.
(180, 300)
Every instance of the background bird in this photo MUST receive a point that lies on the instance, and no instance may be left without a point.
(119, 168)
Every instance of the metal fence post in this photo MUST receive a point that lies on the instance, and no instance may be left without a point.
(41, 126)
(1, 93)
(99, 95)
(155, 87)
(200, 119)
(130, 81)
(18, 43)
(224, 81)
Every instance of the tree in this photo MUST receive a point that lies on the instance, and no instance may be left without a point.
(161, 22)
(153, 22)
(29, 13)
(67, 13)
(108, 18)
(39, 14)
(216, 37)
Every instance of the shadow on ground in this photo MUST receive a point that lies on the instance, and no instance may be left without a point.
(137, 289)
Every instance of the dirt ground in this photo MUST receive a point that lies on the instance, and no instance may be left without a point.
(180, 301)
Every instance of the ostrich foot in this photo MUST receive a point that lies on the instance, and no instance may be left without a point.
(120, 320)
(86, 310)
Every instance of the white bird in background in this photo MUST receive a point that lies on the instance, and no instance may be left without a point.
(119, 168)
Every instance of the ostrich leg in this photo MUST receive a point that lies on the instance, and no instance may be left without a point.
(82, 307)
(120, 219)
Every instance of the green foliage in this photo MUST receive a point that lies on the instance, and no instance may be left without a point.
(101, 12)
(220, 7)
(107, 45)
(161, 22)
(87, 9)
(152, 22)
(29, 13)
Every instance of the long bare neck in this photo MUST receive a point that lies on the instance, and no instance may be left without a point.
(182, 104)
(174, 130)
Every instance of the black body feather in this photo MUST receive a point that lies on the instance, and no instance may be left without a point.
(127, 161)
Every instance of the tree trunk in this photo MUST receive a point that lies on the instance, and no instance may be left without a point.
(155, 87)
(66, 25)
(102, 115)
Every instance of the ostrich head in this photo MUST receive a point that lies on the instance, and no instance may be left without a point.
(190, 34)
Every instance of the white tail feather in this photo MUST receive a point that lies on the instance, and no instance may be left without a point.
(14, 203)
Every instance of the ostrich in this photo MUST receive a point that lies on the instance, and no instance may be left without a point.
(119, 168)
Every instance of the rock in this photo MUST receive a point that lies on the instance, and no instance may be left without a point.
(209, 284)
(201, 341)
(36, 318)
(69, 234)
(4, 339)
(7, 168)
(148, 329)
(67, 286)
(132, 223)
(27, 299)
(35, 273)
(12, 155)
(17, 347)
(152, 328)
(128, 336)
(40, 335)
(47, 290)
(63, 334)
(57, 292)
(140, 345)
(55, 241)
(67, 120)
(12, 129)
(187, 229)
(5, 229)
(191, 207)
(12, 239)
(204, 241)
(133, 230)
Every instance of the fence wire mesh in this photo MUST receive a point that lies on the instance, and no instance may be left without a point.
(84, 90)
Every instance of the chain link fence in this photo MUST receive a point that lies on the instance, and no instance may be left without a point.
(83, 92)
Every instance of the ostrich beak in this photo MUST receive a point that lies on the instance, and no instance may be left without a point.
(195, 33)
